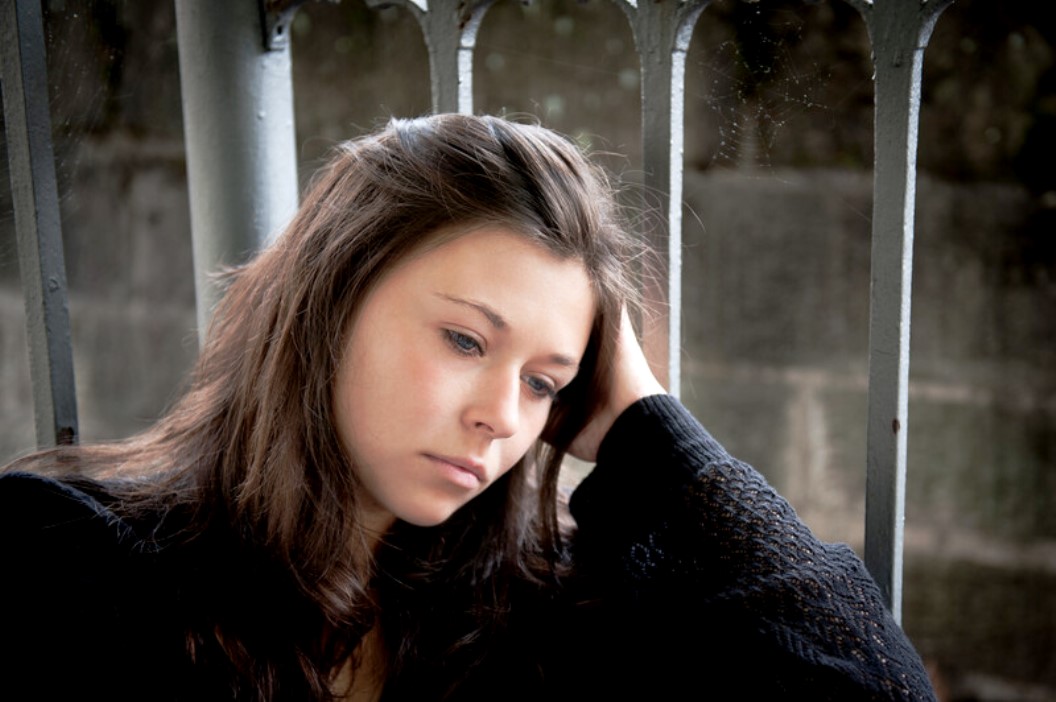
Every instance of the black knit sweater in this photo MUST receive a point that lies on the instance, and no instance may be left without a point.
(711, 582)
(692, 579)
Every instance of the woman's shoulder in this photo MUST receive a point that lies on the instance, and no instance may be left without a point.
(24, 491)
(60, 533)
(79, 594)
(41, 512)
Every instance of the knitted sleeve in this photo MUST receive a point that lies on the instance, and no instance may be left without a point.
(712, 575)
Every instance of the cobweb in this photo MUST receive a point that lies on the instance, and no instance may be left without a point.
(765, 87)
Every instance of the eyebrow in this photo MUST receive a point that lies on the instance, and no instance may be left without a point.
(496, 320)
(493, 317)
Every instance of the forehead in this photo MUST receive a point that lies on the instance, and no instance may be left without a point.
(454, 253)
(523, 282)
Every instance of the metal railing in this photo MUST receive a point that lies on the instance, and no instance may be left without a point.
(239, 130)
(23, 81)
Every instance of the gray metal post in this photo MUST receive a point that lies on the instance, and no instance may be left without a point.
(239, 131)
(662, 32)
(37, 221)
(450, 31)
(899, 32)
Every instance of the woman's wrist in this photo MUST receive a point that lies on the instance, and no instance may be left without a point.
(632, 380)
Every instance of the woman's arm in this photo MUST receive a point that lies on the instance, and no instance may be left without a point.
(709, 572)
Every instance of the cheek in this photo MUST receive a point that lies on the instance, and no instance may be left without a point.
(373, 388)
(431, 383)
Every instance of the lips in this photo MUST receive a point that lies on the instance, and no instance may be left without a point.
(471, 466)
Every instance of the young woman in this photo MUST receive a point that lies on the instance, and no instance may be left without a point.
(356, 497)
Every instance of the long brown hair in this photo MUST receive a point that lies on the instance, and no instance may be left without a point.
(249, 455)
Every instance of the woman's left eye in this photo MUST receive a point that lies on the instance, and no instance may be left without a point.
(540, 388)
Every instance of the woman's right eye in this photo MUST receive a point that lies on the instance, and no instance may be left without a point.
(463, 343)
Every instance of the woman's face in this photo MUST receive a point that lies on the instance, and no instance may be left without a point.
(450, 369)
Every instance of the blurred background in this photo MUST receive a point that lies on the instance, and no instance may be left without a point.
(778, 190)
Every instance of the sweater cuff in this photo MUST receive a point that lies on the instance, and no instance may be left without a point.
(653, 450)
(658, 422)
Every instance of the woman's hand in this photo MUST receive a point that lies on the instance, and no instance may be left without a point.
(632, 379)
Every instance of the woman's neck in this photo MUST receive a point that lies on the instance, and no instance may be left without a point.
(376, 522)
(361, 677)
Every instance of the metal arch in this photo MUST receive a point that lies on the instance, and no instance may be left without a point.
(450, 30)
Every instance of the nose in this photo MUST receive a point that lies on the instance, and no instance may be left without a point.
(495, 405)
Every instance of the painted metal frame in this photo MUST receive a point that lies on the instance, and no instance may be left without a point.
(42, 267)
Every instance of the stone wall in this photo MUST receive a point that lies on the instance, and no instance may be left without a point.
(776, 276)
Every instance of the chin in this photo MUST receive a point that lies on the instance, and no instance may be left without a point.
(426, 517)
